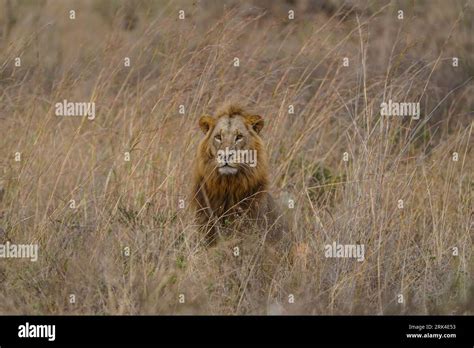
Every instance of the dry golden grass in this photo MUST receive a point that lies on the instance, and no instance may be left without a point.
(283, 62)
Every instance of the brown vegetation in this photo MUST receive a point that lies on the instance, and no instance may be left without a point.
(285, 64)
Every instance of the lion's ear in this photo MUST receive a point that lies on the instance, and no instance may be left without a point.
(256, 122)
(206, 122)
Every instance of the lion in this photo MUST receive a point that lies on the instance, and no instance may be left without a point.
(232, 177)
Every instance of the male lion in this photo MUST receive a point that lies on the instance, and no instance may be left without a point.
(231, 177)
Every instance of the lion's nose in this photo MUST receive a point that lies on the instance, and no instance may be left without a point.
(227, 155)
(227, 158)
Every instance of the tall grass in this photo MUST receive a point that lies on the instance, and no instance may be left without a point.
(134, 205)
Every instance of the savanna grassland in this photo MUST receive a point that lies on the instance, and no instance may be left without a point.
(120, 235)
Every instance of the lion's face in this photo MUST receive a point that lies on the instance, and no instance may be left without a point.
(231, 142)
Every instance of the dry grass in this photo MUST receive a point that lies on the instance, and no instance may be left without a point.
(190, 62)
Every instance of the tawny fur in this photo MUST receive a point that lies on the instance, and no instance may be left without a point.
(220, 199)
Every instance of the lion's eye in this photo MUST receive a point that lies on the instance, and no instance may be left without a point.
(238, 137)
(218, 138)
